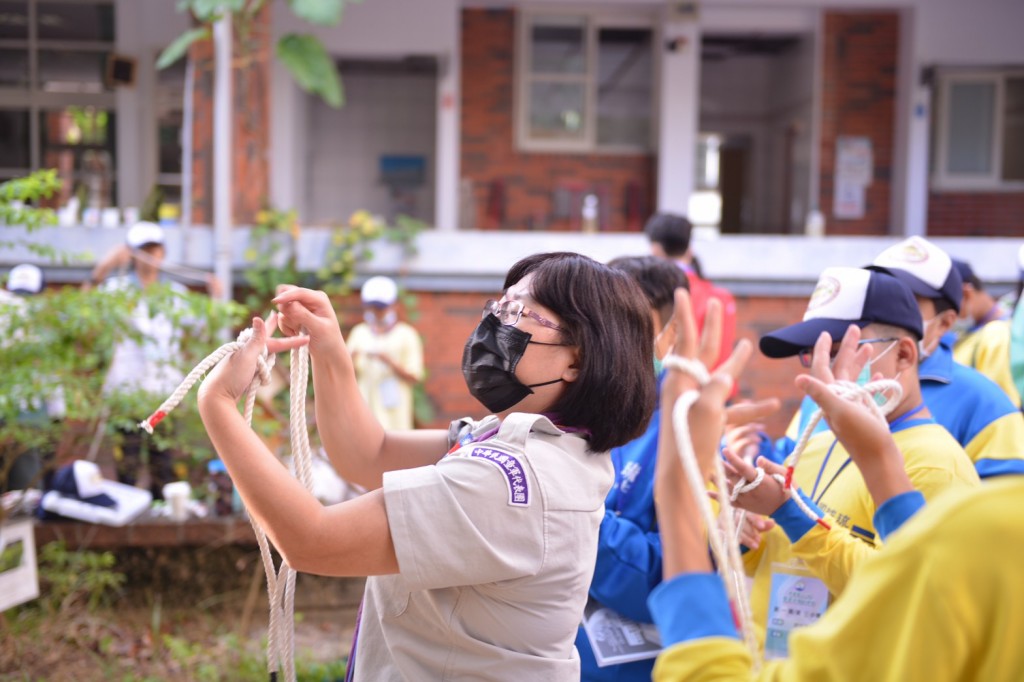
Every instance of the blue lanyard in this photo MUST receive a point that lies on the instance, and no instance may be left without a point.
(895, 425)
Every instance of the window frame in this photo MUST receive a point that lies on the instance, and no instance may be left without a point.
(942, 179)
(523, 77)
(33, 98)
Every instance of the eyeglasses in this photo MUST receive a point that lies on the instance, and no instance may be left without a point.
(509, 312)
(807, 354)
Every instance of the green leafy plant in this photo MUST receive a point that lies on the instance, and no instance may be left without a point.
(76, 578)
(59, 343)
(302, 54)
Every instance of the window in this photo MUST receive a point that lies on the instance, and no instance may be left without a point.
(56, 107)
(980, 134)
(170, 94)
(585, 83)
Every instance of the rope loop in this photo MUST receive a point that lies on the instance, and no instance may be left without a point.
(692, 367)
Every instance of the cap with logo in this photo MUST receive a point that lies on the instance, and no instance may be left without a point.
(141, 234)
(845, 296)
(379, 291)
(924, 267)
(25, 279)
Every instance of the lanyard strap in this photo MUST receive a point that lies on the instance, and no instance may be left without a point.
(894, 425)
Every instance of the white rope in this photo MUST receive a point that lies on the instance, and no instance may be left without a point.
(280, 582)
(721, 534)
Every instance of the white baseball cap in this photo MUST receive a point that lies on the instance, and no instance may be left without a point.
(25, 279)
(380, 290)
(924, 267)
(144, 233)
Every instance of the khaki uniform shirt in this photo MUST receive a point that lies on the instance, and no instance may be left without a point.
(496, 546)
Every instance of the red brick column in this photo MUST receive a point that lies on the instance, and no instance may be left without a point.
(859, 67)
(250, 123)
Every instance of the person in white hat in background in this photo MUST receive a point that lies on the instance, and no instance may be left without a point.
(147, 361)
(388, 355)
(25, 470)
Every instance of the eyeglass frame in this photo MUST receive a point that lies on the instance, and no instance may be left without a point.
(806, 355)
(493, 307)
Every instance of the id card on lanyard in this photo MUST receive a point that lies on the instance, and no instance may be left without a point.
(798, 599)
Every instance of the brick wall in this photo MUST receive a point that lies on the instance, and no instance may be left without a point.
(513, 189)
(446, 319)
(976, 214)
(250, 125)
(859, 83)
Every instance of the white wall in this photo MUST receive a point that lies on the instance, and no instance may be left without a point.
(386, 114)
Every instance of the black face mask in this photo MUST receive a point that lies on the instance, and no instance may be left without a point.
(489, 364)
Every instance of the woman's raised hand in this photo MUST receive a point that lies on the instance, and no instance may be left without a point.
(309, 311)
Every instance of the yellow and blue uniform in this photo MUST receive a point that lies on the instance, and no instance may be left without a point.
(968, 404)
(935, 463)
(937, 604)
(986, 348)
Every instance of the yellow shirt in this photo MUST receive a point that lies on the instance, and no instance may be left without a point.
(935, 463)
(390, 398)
(987, 350)
(943, 601)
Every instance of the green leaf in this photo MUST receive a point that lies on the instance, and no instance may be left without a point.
(179, 47)
(322, 12)
(313, 69)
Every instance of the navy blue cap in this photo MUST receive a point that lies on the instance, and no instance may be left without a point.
(845, 296)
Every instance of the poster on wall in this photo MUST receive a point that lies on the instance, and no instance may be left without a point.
(853, 172)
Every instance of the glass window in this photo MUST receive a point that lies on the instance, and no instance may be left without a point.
(14, 20)
(79, 142)
(624, 87)
(72, 21)
(170, 92)
(1013, 130)
(557, 110)
(584, 86)
(558, 46)
(971, 127)
(62, 71)
(13, 68)
(14, 139)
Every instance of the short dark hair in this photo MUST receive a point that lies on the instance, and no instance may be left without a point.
(604, 313)
(657, 277)
(671, 231)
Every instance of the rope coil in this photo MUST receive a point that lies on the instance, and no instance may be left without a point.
(280, 581)
(722, 529)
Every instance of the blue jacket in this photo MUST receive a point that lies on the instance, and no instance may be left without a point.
(628, 564)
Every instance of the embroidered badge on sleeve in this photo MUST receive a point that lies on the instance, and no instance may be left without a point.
(515, 477)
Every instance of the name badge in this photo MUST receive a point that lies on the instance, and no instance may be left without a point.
(797, 600)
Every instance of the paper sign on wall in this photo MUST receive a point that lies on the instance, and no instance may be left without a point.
(853, 173)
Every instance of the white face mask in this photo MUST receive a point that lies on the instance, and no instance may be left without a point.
(865, 374)
(386, 322)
